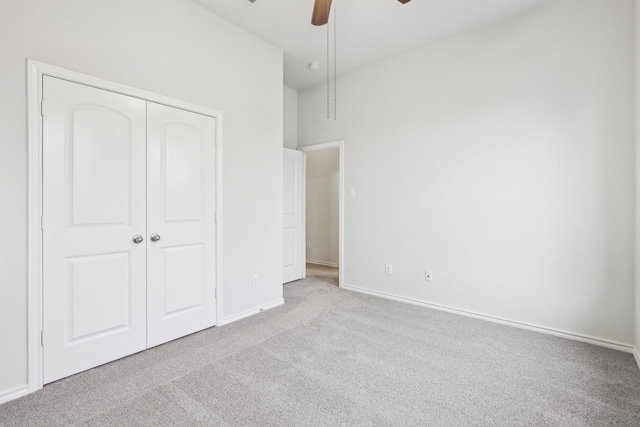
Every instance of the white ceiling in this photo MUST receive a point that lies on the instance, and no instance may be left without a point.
(367, 30)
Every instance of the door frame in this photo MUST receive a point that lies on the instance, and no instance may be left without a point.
(324, 146)
(303, 231)
(35, 73)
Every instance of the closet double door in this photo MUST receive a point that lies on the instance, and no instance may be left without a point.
(129, 200)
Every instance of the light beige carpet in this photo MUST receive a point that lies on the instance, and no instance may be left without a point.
(332, 357)
(323, 273)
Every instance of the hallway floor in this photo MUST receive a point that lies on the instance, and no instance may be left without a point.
(328, 274)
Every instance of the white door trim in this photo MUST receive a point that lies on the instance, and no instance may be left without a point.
(304, 217)
(340, 146)
(35, 72)
(300, 215)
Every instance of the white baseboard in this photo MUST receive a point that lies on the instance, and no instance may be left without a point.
(326, 264)
(250, 312)
(14, 393)
(550, 331)
(636, 354)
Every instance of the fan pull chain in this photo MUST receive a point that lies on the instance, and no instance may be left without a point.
(335, 62)
(328, 58)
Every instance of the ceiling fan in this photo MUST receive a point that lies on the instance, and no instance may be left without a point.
(321, 10)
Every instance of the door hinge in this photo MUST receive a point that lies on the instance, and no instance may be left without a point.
(42, 108)
(41, 223)
(42, 338)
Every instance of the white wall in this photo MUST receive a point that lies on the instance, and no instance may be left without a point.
(503, 161)
(637, 111)
(290, 118)
(170, 47)
(323, 206)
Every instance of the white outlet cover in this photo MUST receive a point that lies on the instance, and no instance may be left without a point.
(352, 193)
(388, 269)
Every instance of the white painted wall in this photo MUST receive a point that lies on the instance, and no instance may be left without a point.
(637, 111)
(290, 118)
(323, 206)
(173, 48)
(503, 161)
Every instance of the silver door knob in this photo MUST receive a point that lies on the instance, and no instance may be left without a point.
(155, 237)
(137, 239)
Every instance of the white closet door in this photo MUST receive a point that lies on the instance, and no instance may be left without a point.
(293, 251)
(181, 268)
(94, 203)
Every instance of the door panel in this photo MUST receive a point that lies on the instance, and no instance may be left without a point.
(184, 150)
(100, 289)
(293, 216)
(290, 241)
(101, 163)
(94, 202)
(184, 278)
(181, 210)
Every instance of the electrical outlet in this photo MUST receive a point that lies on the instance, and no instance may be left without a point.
(388, 269)
(308, 245)
(428, 277)
(256, 280)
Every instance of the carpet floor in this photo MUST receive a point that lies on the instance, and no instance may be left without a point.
(332, 357)
(322, 273)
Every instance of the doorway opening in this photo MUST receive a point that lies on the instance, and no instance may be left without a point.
(324, 212)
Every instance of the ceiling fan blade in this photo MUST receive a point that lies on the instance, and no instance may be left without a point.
(321, 10)
(404, 1)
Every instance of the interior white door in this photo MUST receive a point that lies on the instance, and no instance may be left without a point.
(293, 251)
(94, 203)
(181, 218)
